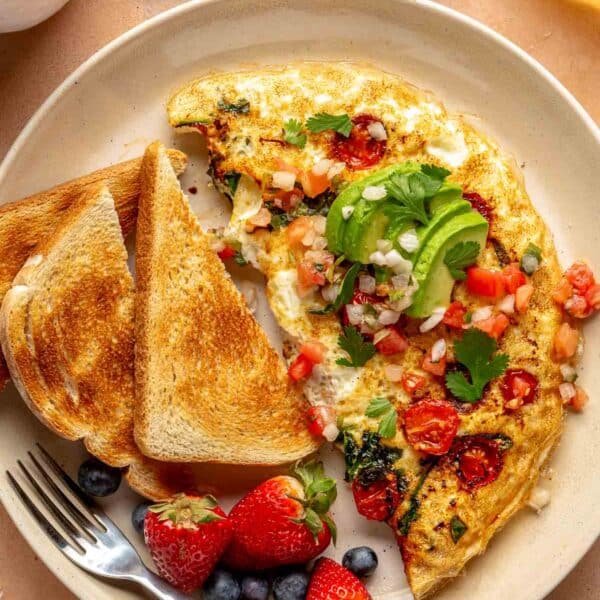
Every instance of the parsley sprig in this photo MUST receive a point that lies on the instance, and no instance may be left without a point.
(324, 121)
(382, 407)
(292, 133)
(460, 256)
(359, 350)
(475, 352)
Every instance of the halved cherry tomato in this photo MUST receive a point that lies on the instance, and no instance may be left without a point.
(565, 342)
(523, 296)
(411, 382)
(318, 418)
(455, 315)
(297, 229)
(227, 253)
(494, 326)
(431, 425)
(578, 307)
(300, 368)
(393, 343)
(580, 276)
(313, 350)
(359, 150)
(592, 297)
(312, 184)
(438, 368)
(481, 205)
(483, 282)
(514, 278)
(477, 460)
(379, 500)
(519, 384)
(562, 292)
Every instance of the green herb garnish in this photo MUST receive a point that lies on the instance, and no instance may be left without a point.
(405, 521)
(460, 256)
(231, 179)
(345, 294)
(292, 133)
(457, 528)
(382, 407)
(475, 351)
(357, 348)
(239, 259)
(324, 121)
(240, 107)
(371, 460)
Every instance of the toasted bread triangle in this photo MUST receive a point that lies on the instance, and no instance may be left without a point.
(209, 386)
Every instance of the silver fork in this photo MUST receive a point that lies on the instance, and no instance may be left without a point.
(98, 545)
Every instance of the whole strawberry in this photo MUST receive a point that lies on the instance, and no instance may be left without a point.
(331, 581)
(186, 537)
(283, 521)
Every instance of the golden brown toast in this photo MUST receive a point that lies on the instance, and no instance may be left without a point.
(66, 328)
(27, 222)
(209, 386)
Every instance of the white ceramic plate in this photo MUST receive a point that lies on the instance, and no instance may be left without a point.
(111, 107)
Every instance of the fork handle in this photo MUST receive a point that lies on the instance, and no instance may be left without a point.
(158, 587)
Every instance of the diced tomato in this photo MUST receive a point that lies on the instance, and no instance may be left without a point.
(477, 460)
(438, 368)
(314, 351)
(287, 200)
(483, 282)
(455, 315)
(312, 184)
(284, 166)
(300, 368)
(227, 253)
(514, 278)
(393, 343)
(359, 150)
(579, 400)
(318, 418)
(431, 425)
(379, 500)
(411, 382)
(580, 276)
(359, 297)
(563, 291)
(565, 342)
(518, 387)
(523, 296)
(494, 326)
(297, 229)
(592, 296)
(577, 306)
(309, 275)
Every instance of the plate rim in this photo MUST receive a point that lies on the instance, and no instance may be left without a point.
(157, 21)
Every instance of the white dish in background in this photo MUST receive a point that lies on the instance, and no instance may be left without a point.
(112, 106)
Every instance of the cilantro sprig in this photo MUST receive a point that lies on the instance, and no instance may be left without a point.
(359, 350)
(460, 256)
(292, 133)
(475, 352)
(324, 121)
(382, 407)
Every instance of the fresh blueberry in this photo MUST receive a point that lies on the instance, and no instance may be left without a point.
(362, 561)
(98, 479)
(221, 585)
(138, 515)
(292, 586)
(254, 588)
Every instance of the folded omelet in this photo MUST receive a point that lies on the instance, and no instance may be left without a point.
(285, 144)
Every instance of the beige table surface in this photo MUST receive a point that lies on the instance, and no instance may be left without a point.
(564, 35)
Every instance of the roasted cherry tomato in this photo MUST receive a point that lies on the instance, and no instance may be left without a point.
(227, 253)
(300, 368)
(580, 276)
(481, 205)
(431, 425)
(514, 278)
(359, 150)
(411, 382)
(455, 315)
(483, 282)
(393, 343)
(520, 384)
(379, 500)
(477, 460)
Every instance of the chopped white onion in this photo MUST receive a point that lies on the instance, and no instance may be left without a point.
(481, 314)
(400, 282)
(355, 313)
(366, 284)
(320, 243)
(319, 223)
(507, 304)
(389, 317)
(409, 240)
(568, 372)
(374, 192)
(540, 498)
(336, 169)
(530, 264)
(567, 391)
(384, 245)
(393, 373)
(331, 432)
(380, 335)
(378, 258)
(397, 262)
(435, 319)
(322, 166)
(309, 237)
(330, 292)
(402, 304)
(372, 322)
(377, 131)
(347, 212)
(438, 350)
(284, 180)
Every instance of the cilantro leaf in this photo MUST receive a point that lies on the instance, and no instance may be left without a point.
(387, 425)
(410, 190)
(475, 351)
(231, 179)
(357, 348)
(461, 255)
(240, 107)
(345, 294)
(292, 133)
(324, 121)
(377, 407)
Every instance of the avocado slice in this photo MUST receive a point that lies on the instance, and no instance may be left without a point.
(449, 192)
(430, 271)
(350, 196)
(367, 225)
